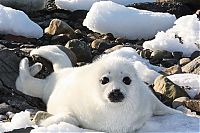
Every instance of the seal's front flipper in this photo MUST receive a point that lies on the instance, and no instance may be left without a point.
(56, 119)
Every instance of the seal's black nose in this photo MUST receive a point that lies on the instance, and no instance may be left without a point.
(116, 96)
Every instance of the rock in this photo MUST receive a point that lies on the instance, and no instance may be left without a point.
(168, 90)
(195, 54)
(113, 49)
(145, 53)
(178, 9)
(40, 115)
(58, 26)
(161, 54)
(193, 66)
(60, 39)
(194, 105)
(173, 70)
(22, 130)
(169, 62)
(69, 53)
(184, 61)
(177, 55)
(3, 118)
(25, 5)
(10, 115)
(100, 44)
(9, 67)
(81, 49)
(179, 101)
(109, 36)
(4, 108)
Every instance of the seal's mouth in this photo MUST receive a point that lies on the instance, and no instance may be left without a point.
(116, 96)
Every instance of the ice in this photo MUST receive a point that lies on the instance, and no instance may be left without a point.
(86, 4)
(186, 27)
(127, 22)
(16, 22)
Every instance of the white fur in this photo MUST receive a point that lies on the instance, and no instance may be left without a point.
(76, 96)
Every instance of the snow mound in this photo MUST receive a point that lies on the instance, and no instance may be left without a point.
(190, 80)
(87, 4)
(186, 27)
(168, 123)
(16, 22)
(144, 69)
(127, 22)
(19, 120)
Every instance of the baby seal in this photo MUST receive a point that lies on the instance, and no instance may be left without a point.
(106, 95)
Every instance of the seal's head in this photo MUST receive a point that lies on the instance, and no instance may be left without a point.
(116, 80)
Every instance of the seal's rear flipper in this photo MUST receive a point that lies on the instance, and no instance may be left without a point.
(26, 83)
(56, 56)
(161, 109)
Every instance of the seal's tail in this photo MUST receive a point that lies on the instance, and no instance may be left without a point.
(56, 56)
(26, 83)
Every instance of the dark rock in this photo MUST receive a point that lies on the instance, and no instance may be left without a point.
(193, 66)
(195, 54)
(4, 108)
(60, 39)
(81, 49)
(169, 62)
(161, 54)
(109, 36)
(100, 45)
(177, 55)
(168, 90)
(179, 9)
(22, 130)
(145, 53)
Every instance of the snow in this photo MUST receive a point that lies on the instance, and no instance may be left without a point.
(186, 27)
(127, 22)
(87, 4)
(16, 22)
(168, 123)
(19, 120)
(190, 80)
(144, 69)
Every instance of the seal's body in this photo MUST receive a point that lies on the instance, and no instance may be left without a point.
(106, 95)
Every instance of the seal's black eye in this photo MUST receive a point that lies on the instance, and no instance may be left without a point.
(127, 80)
(104, 80)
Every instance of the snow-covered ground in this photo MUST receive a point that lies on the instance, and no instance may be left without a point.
(190, 80)
(87, 4)
(186, 27)
(16, 22)
(127, 22)
(180, 123)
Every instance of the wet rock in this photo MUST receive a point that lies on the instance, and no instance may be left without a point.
(146, 53)
(194, 105)
(40, 116)
(58, 26)
(173, 70)
(69, 53)
(193, 66)
(4, 108)
(25, 5)
(161, 54)
(195, 54)
(179, 101)
(184, 61)
(60, 39)
(169, 62)
(179, 9)
(81, 49)
(168, 90)
(113, 49)
(177, 55)
(100, 44)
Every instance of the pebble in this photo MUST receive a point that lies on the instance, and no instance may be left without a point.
(184, 61)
